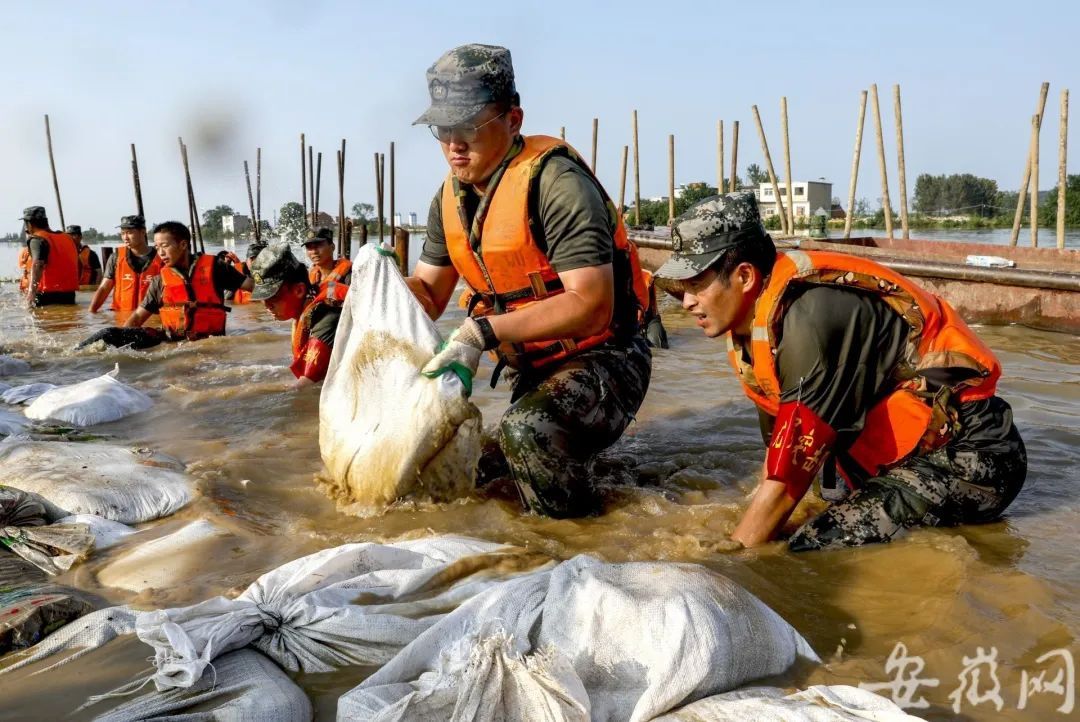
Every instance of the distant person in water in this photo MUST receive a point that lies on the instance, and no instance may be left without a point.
(855, 370)
(129, 271)
(325, 267)
(188, 295)
(50, 263)
(89, 263)
(282, 283)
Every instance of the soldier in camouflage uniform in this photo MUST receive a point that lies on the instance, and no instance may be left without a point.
(571, 402)
(818, 353)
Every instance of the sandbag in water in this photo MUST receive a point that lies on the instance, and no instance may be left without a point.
(96, 401)
(385, 431)
(17, 395)
(819, 703)
(125, 485)
(11, 366)
(30, 608)
(164, 562)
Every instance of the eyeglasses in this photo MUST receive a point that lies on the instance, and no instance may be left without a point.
(463, 133)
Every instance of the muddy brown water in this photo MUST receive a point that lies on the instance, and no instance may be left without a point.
(675, 486)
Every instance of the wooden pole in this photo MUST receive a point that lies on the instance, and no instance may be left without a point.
(787, 165)
(303, 176)
(52, 165)
(885, 205)
(733, 179)
(769, 167)
(637, 175)
(900, 164)
(346, 224)
(258, 188)
(855, 164)
(136, 182)
(1034, 184)
(318, 186)
(595, 134)
(671, 178)
(1063, 180)
(562, 133)
(1021, 195)
(622, 181)
(251, 199)
(719, 156)
(378, 197)
(403, 253)
(196, 231)
(311, 185)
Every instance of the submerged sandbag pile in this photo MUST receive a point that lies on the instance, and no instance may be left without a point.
(162, 562)
(120, 484)
(385, 431)
(24, 394)
(96, 401)
(12, 424)
(11, 366)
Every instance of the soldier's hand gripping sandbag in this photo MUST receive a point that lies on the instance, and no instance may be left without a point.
(460, 355)
(385, 430)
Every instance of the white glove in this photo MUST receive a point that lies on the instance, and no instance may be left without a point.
(460, 354)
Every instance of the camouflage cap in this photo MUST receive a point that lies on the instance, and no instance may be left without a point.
(132, 222)
(318, 235)
(73, 230)
(466, 79)
(701, 234)
(274, 265)
(36, 214)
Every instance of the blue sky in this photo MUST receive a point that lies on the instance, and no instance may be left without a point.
(230, 76)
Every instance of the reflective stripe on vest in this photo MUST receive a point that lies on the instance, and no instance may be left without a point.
(61, 271)
(910, 418)
(130, 286)
(509, 271)
(192, 308)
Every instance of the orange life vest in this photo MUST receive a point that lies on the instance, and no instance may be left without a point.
(192, 308)
(330, 294)
(86, 274)
(129, 285)
(341, 270)
(26, 262)
(61, 272)
(240, 296)
(510, 271)
(908, 420)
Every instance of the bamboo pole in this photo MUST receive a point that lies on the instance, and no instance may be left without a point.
(196, 231)
(900, 164)
(52, 166)
(769, 168)
(379, 196)
(403, 252)
(733, 180)
(855, 164)
(1063, 180)
(187, 189)
(719, 156)
(346, 223)
(622, 181)
(311, 186)
(595, 134)
(1034, 184)
(135, 181)
(671, 178)
(1021, 195)
(885, 205)
(562, 133)
(318, 187)
(787, 165)
(251, 199)
(303, 176)
(258, 188)
(637, 175)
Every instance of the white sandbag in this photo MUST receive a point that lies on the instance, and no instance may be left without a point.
(106, 533)
(11, 366)
(96, 401)
(4, 387)
(77, 639)
(125, 485)
(820, 703)
(24, 394)
(53, 549)
(641, 638)
(385, 431)
(11, 423)
(330, 609)
(163, 562)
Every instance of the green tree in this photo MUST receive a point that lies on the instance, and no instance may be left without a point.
(291, 223)
(755, 174)
(211, 222)
(957, 194)
(1048, 209)
(363, 212)
(91, 234)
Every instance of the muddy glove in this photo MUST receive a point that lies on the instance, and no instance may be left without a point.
(460, 354)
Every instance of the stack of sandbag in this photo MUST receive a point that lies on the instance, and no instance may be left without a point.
(96, 401)
(819, 703)
(12, 424)
(385, 431)
(120, 484)
(19, 395)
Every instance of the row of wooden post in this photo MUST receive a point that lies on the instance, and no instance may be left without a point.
(1029, 182)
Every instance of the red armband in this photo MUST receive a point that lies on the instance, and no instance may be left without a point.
(312, 361)
(799, 445)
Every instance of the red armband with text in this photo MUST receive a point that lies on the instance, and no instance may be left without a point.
(312, 361)
(799, 445)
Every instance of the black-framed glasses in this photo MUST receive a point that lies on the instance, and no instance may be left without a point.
(464, 133)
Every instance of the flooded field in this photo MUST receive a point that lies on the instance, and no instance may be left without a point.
(675, 486)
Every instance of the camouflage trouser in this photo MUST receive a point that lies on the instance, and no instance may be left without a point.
(136, 338)
(560, 419)
(944, 488)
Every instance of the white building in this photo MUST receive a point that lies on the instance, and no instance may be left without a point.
(235, 225)
(412, 220)
(807, 197)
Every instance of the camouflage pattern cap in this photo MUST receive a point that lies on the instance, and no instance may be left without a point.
(708, 228)
(34, 213)
(466, 79)
(274, 265)
(73, 230)
(132, 222)
(318, 235)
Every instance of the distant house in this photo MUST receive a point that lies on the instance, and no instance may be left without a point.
(837, 212)
(235, 225)
(807, 196)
